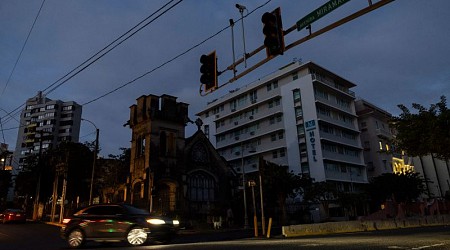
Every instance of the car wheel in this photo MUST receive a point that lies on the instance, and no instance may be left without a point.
(75, 238)
(136, 236)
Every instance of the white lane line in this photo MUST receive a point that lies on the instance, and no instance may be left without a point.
(423, 247)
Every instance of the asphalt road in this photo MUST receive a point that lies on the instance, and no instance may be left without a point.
(46, 237)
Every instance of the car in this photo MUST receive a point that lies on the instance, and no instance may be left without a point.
(13, 215)
(117, 222)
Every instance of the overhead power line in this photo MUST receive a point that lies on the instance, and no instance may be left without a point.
(172, 59)
(85, 64)
(23, 47)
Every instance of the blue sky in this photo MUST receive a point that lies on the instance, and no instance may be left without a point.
(398, 54)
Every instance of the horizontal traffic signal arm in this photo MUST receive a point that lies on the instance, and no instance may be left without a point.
(311, 35)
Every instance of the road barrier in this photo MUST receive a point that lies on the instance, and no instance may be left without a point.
(363, 226)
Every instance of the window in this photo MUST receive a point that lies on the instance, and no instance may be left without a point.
(253, 96)
(272, 120)
(275, 84)
(380, 143)
(201, 187)
(52, 106)
(206, 128)
(275, 154)
(298, 112)
(282, 152)
(269, 87)
(296, 95)
(67, 108)
(280, 135)
(273, 137)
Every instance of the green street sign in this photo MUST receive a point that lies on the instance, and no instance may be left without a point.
(319, 13)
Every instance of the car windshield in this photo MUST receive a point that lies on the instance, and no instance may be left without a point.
(134, 210)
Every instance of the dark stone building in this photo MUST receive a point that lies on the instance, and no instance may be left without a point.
(171, 174)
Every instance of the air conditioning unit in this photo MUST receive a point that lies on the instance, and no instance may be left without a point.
(232, 110)
(252, 132)
(251, 117)
(217, 116)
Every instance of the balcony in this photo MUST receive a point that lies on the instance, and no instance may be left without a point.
(331, 84)
(383, 133)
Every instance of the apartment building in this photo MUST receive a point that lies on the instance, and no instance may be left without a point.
(381, 158)
(43, 124)
(376, 137)
(302, 116)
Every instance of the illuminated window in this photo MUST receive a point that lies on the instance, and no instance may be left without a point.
(381, 145)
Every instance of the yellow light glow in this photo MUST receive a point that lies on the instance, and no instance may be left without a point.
(399, 166)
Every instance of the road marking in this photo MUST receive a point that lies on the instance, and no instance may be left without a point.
(396, 247)
(2, 234)
(423, 247)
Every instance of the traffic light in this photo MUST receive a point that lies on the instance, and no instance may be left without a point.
(273, 31)
(209, 71)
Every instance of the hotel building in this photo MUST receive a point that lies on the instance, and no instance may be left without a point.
(302, 116)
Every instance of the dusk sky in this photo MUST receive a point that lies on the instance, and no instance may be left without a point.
(397, 54)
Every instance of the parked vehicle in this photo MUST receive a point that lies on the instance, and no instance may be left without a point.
(117, 222)
(13, 215)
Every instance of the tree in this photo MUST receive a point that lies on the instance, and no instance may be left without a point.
(402, 188)
(5, 184)
(425, 132)
(278, 184)
(319, 192)
(112, 174)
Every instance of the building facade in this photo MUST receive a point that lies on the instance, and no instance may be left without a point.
(43, 124)
(302, 116)
(376, 138)
(169, 173)
(381, 158)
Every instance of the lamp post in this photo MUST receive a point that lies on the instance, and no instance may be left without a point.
(244, 184)
(243, 188)
(252, 184)
(241, 9)
(97, 131)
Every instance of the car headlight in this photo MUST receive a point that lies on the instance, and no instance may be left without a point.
(176, 222)
(156, 221)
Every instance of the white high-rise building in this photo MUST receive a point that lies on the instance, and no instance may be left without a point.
(43, 124)
(302, 116)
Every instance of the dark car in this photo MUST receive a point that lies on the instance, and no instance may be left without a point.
(117, 222)
(13, 215)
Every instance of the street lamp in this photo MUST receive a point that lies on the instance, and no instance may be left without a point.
(241, 9)
(97, 131)
(252, 184)
(243, 184)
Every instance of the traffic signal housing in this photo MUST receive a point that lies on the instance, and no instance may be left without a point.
(273, 32)
(209, 71)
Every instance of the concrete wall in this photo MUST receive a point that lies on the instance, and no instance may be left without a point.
(363, 226)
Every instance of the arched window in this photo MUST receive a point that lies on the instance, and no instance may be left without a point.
(201, 187)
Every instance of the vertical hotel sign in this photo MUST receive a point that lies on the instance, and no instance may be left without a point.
(310, 127)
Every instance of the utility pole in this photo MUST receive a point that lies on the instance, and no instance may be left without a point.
(93, 164)
(38, 185)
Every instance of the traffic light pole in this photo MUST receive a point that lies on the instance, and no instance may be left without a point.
(311, 35)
